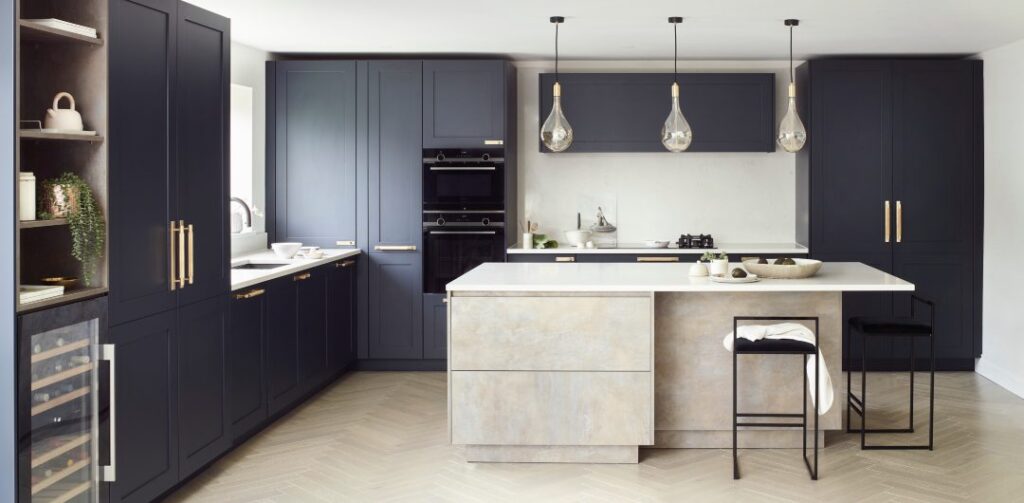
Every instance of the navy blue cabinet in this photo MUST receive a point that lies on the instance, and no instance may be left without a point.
(146, 401)
(894, 186)
(204, 431)
(246, 367)
(341, 314)
(464, 103)
(311, 327)
(282, 346)
(311, 141)
(435, 325)
(569, 256)
(395, 260)
(624, 112)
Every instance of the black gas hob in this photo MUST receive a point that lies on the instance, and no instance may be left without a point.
(696, 241)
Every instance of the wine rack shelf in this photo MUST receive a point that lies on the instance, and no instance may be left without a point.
(61, 400)
(60, 475)
(61, 449)
(67, 348)
(62, 376)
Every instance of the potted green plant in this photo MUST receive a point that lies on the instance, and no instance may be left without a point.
(68, 196)
(718, 262)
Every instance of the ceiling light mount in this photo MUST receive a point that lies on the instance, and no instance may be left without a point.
(560, 19)
(675, 19)
(792, 22)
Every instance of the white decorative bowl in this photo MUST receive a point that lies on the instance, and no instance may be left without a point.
(577, 238)
(656, 244)
(285, 250)
(804, 268)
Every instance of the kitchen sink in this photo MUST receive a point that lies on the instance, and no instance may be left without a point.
(258, 266)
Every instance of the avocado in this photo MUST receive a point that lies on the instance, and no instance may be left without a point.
(762, 260)
(739, 273)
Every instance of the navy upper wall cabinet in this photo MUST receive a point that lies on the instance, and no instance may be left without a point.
(464, 103)
(312, 152)
(624, 112)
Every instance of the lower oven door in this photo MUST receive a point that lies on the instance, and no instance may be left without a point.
(450, 253)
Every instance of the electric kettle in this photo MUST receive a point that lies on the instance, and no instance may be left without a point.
(63, 119)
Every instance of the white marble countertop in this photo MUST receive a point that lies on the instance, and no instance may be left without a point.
(242, 278)
(640, 249)
(662, 277)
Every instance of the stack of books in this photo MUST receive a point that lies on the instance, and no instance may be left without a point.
(36, 293)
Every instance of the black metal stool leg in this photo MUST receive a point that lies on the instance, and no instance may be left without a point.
(735, 417)
(863, 389)
(931, 393)
(913, 365)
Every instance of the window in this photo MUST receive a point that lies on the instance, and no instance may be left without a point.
(241, 143)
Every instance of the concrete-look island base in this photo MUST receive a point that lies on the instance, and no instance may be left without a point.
(625, 355)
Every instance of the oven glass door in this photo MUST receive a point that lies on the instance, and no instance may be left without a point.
(464, 186)
(450, 253)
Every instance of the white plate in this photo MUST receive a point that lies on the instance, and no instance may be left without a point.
(751, 278)
(656, 244)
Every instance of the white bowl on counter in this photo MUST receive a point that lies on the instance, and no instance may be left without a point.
(655, 244)
(804, 268)
(285, 250)
(577, 237)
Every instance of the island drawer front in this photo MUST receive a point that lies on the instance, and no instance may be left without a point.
(552, 408)
(608, 333)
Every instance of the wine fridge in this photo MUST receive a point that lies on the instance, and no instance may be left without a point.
(65, 416)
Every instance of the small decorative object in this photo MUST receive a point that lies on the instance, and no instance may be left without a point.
(738, 272)
(792, 133)
(655, 244)
(698, 269)
(676, 134)
(786, 268)
(285, 250)
(527, 240)
(602, 225)
(556, 133)
(26, 196)
(70, 197)
(64, 281)
(718, 262)
(63, 119)
(577, 238)
(725, 278)
(541, 241)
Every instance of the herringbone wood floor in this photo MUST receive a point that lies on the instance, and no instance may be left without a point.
(376, 436)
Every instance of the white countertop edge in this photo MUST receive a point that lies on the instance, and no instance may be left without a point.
(248, 277)
(639, 249)
(709, 287)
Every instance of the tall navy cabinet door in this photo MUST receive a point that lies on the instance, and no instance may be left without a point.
(282, 360)
(396, 234)
(851, 177)
(463, 103)
(146, 406)
(247, 397)
(204, 430)
(314, 141)
(311, 330)
(202, 129)
(934, 152)
(142, 158)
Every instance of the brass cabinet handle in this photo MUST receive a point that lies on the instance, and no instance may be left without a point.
(657, 259)
(394, 247)
(565, 259)
(301, 277)
(345, 243)
(181, 253)
(887, 212)
(255, 292)
(191, 253)
(172, 256)
(494, 142)
(345, 263)
(899, 221)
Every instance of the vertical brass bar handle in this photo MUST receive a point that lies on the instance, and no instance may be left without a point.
(899, 221)
(887, 219)
(170, 254)
(191, 253)
(181, 253)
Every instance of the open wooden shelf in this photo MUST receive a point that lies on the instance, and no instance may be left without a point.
(33, 224)
(72, 296)
(50, 455)
(36, 32)
(32, 134)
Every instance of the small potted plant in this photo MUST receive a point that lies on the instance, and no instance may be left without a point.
(70, 197)
(718, 262)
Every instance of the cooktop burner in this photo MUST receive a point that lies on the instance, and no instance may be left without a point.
(698, 241)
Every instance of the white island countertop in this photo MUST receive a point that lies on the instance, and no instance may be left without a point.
(672, 249)
(662, 277)
(242, 278)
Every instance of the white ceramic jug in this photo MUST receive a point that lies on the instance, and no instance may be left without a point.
(66, 119)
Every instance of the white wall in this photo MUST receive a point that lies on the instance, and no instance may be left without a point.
(737, 197)
(248, 68)
(1002, 360)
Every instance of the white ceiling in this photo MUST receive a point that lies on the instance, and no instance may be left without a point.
(624, 29)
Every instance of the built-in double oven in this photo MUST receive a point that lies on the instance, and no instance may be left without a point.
(463, 213)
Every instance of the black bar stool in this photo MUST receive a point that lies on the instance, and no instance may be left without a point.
(776, 347)
(900, 327)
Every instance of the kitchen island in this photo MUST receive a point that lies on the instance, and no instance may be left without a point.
(587, 362)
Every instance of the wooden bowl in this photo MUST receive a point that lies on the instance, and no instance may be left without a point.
(63, 281)
(804, 268)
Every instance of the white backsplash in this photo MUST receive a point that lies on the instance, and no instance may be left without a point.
(737, 197)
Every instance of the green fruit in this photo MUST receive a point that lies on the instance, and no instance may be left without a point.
(739, 273)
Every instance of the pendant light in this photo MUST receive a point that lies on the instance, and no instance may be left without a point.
(556, 133)
(676, 134)
(792, 133)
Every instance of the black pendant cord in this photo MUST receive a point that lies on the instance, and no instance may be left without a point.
(556, 49)
(675, 55)
(790, 54)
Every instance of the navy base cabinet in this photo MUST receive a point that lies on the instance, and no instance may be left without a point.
(435, 325)
(880, 149)
(246, 361)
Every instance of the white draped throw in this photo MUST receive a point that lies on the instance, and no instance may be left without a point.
(795, 332)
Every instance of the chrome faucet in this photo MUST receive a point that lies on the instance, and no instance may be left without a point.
(247, 222)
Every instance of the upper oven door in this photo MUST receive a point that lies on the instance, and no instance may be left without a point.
(463, 186)
(450, 253)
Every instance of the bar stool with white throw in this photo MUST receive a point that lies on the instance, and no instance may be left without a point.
(788, 338)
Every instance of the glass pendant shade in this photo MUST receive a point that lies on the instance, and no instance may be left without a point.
(792, 133)
(556, 133)
(676, 134)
